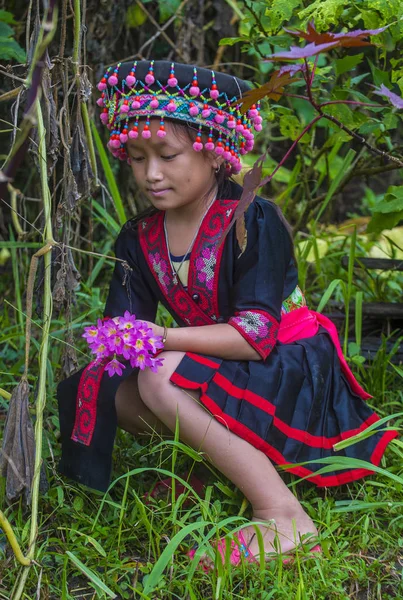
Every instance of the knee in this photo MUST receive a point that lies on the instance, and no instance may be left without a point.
(153, 387)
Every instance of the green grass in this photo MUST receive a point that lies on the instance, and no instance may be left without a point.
(93, 545)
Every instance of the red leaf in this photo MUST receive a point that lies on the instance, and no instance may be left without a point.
(349, 39)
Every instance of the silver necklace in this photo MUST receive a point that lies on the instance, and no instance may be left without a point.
(176, 271)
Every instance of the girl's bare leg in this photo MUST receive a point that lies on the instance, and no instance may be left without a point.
(132, 414)
(248, 468)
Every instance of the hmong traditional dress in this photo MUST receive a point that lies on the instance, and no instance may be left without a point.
(294, 404)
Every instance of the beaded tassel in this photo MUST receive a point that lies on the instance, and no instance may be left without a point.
(172, 81)
(131, 78)
(150, 79)
(214, 91)
(113, 79)
(198, 146)
(134, 131)
(161, 132)
(146, 133)
(194, 89)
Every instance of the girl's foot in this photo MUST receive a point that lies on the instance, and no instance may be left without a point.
(290, 525)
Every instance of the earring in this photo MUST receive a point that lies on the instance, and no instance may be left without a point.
(217, 170)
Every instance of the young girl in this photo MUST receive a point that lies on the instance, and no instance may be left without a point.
(253, 375)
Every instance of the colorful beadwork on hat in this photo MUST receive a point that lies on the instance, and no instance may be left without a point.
(210, 101)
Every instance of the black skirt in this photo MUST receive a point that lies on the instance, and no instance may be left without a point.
(294, 407)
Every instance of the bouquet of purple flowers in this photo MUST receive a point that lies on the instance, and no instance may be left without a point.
(124, 337)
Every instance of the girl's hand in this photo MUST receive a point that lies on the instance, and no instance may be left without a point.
(157, 329)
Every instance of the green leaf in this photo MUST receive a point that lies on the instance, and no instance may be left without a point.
(91, 575)
(381, 221)
(348, 63)
(5, 30)
(168, 8)
(291, 127)
(9, 49)
(393, 200)
(230, 41)
(280, 11)
(7, 17)
(135, 17)
(379, 76)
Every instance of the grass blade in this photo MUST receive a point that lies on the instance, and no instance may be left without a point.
(110, 178)
(91, 575)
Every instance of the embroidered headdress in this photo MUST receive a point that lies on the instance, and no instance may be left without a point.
(211, 101)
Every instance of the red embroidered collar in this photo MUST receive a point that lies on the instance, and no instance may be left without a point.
(198, 305)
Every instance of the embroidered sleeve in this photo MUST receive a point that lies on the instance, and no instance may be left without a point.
(259, 277)
(258, 328)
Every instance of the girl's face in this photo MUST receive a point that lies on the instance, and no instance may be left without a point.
(167, 170)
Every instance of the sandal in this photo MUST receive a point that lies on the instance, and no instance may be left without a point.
(240, 550)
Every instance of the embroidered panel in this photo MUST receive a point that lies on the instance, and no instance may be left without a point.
(295, 300)
(204, 264)
(258, 328)
(207, 252)
(86, 403)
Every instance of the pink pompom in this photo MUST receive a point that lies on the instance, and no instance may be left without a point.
(146, 134)
(219, 118)
(194, 90)
(116, 153)
(109, 126)
(123, 138)
(130, 80)
(100, 102)
(161, 133)
(154, 103)
(249, 146)
(227, 155)
(258, 127)
(104, 118)
(236, 168)
(206, 113)
(231, 124)
(219, 150)
(102, 86)
(198, 146)
(136, 105)
(252, 113)
(193, 111)
(209, 146)
(242, 151)
(247, 134)
(150, 79)
(124, 108)
(115, 143)
(214, 94)
(113, 80)
(133, 134)
(172, 82)
(258, 120)
(239, 128)
(171, 107)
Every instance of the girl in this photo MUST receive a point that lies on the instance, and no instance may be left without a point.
(253, 375)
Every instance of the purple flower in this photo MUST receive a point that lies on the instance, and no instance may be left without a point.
(155, 364)
(114, 367)
(126, 337)
(91, 334)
